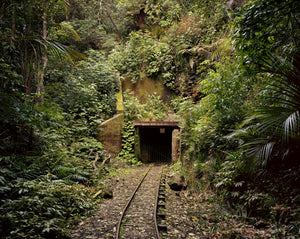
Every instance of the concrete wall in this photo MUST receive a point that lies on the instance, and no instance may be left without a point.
(146, 86)
(175, 145)
(110, 134)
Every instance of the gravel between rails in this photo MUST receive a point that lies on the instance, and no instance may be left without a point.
(103, 223)
(138, 221)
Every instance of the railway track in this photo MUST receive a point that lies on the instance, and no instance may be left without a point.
(143, 215)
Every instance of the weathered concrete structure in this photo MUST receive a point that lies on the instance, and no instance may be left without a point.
(146, 86)
(157, 141)
(111, 134)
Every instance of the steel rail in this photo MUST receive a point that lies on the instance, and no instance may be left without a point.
(128, 203)
(156, 205)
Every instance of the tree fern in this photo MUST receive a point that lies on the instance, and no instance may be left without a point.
(71, 173)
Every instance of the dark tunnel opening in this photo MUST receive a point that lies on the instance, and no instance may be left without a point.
(155, 140)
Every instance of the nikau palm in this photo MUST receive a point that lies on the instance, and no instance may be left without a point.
(276, 123)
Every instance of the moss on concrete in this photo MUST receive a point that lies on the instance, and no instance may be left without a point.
(111, 134)
(119, 96)
(146, 86)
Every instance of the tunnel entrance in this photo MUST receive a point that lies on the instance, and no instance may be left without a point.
(155, 140)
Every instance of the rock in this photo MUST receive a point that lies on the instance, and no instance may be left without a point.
(107, 193)
(251, 220)
(209, 218)
(177, 183)
(260, 225)
(104, 193)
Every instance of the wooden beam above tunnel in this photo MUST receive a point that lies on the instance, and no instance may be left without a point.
(173, 124)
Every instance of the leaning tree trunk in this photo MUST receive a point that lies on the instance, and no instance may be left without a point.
(112, 21)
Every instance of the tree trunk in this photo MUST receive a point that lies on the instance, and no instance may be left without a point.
(112, 21)
(26, 71)
(41, 72)
(142, 19)
(13, 25)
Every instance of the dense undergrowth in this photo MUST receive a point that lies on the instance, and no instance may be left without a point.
(232, 72)
(48, 123)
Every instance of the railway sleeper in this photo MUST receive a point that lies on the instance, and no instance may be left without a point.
(162, 227)
(161, 215)
(161, 197)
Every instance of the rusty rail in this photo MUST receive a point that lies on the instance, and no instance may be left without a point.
(128, 203)
(155, 213)
(156, 206)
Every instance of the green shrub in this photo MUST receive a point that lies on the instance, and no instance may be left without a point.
(42, 208)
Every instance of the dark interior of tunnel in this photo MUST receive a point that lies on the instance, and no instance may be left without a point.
(155, 144)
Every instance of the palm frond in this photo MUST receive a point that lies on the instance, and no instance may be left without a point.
(69, 30)
(277, 121)
(260, 150)
(265, 152)
(291, 126)
(60, 51)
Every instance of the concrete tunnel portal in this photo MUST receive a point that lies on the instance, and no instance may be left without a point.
(156, 140)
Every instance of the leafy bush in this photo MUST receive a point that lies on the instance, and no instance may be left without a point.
(127, 153)
(42, 208)
(140, 55)
(86, 94)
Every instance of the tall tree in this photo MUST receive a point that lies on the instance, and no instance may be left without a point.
(30, 34)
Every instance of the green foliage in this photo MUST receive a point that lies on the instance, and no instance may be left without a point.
(41, 208)
(223, 108)
(267, 28)
(127, 153)
(227, 176)
(163, 13)
(153, 109)
(276, 119)
(215, 17)
(89, 19)
(141, 54)
(271, 133)
(237, 185)
(163, 50)
(87, 93)
(46, 145)
(151, 13)
(270, 95)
